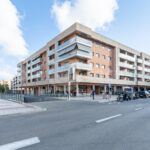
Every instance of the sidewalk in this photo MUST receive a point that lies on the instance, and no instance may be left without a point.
(97, 98)
(9, 107)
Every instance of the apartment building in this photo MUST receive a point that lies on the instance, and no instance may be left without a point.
(17, 80)
(6, 82)
(86, 60)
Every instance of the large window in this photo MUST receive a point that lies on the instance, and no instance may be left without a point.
(97, 65)
(97, 55)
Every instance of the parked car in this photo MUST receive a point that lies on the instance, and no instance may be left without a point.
(125, 96)
(144, 94)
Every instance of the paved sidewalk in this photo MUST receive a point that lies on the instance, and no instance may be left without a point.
(9, 107)
(97, 98)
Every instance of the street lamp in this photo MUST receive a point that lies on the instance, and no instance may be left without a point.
(70, 69)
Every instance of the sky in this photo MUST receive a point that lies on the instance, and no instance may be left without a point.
(27, 25)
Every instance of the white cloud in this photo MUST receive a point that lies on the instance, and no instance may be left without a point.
(12, 44)
(93, 13)
(11, 38)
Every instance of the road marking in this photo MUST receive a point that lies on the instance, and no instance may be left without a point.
(138, 109)
(20, 144)
(108, 118)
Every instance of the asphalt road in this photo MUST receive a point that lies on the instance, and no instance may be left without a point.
(78, 125)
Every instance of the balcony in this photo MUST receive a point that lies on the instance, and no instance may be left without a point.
(127, 57)
(146, 69)
(139, 68)
(146, 76)
(140, 75)
(51, 71)
(38, 75)
(51, 52)
(76, 53)
(36, 61)
(62, 79)
(77, 65)
(74, 40)
(147, 63)
(29, 71)
(50, 62)
(87, 79)
(139, 60)
(36, 68)
(127, 74)
(28, 65)
(126, 65)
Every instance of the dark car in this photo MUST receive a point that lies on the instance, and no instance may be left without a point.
(127, 95)
(144, 94)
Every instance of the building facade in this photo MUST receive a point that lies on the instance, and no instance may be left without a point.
(6, 82)
(86, 60)
(17, 80)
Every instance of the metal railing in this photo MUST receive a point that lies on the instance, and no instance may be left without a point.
(12, 97)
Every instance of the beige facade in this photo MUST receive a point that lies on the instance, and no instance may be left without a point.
(87, 59)
(16, 82)
(6, 82)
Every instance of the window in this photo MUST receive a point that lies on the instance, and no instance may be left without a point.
(52, 47)
(103, 76)
(109, 58)
(110, 67)
(109, 49)
(97, 45)
(93, 53)
(103, 56)
(97, 55)
(97, 75)
(97, 65)
(91, 74)
(92, 64)
(110, 76)
(103, 66)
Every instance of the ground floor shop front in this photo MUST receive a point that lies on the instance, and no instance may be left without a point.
(78, 89)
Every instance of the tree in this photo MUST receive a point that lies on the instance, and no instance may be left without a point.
(4, 88)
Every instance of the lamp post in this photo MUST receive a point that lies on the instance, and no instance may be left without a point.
(69, 83)
(70, 69)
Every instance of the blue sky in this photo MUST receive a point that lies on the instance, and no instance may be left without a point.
(131, 25)
(127, 21)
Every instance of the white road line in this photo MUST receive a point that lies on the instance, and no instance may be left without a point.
(108, 118)
(20, 144)
(138, 109)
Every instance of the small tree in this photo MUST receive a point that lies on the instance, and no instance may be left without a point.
(4, 88)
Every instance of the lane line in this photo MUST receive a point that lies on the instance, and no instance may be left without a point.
(20, 144)
(108, 118)
(138, 109)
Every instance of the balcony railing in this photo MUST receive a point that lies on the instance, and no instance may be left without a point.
(51, 71)
(147, 76)
(126, 65)
(127, 57)
(76, 39)
(51, 52)
(29, 71)
(147, 63)
(52, 61)
(76, 53)
(139, 60)
(139, 75)
(146, 69)
(36, 61)
(77, 65)
(36, 68)
(139, 68)
(125, 73)
(37, 75)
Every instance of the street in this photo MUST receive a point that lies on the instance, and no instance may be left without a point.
(80, 125)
